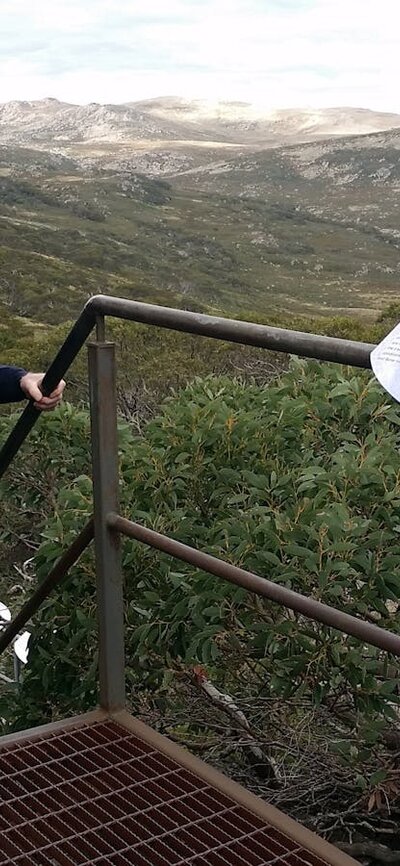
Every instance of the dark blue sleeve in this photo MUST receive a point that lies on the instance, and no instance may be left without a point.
(10, 389)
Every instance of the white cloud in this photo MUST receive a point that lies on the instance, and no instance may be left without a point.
(279, 52)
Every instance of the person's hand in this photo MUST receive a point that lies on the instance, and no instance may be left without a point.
(30, 386)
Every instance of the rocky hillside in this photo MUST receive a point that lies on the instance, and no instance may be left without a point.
(186, 203)
(49, 122)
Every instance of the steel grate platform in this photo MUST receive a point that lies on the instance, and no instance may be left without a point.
(97, 793)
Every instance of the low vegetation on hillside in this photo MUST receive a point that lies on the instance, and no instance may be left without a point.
(289, 469)
(298, 481)
(312, 228)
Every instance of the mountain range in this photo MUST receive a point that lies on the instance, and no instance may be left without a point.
(174, 119)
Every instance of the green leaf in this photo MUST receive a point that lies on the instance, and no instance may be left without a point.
(377, 778)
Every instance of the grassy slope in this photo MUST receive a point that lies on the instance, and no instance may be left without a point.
(252, 233)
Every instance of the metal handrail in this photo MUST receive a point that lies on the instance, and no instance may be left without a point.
(309, 607)
(277, 339)
(53, 579)
(322, 348)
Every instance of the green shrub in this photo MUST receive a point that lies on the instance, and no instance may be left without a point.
(298, 482)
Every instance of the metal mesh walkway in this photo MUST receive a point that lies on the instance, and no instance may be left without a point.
(97, 793)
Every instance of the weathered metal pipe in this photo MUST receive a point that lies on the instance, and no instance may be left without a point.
(56, 371)
(277, 339)
(53, 579)
(309, 607)
(110, 597)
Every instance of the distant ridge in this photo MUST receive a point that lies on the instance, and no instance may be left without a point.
(171, 118)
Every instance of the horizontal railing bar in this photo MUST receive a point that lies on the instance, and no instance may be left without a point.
(55, 576)
(309, 607)
(322, 348)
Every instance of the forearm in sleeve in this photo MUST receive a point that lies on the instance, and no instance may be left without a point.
(10, 389)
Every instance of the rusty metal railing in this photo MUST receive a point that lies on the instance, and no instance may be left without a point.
(51, 581)
(109, 525)
(263, 336)
(309, 607)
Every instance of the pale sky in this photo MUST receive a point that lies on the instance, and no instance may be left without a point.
(278, 53)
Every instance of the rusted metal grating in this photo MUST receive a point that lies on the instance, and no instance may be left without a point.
(96, 793)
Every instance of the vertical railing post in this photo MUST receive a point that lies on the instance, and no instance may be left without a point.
(103, 410)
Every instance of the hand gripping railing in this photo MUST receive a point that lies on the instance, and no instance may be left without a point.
(277, 339)
(108, 524)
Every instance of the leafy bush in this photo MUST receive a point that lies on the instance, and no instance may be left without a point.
(298, 482)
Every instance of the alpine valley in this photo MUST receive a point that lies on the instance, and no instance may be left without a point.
(221, 207)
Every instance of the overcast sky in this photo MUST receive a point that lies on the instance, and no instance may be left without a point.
(278, 53)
